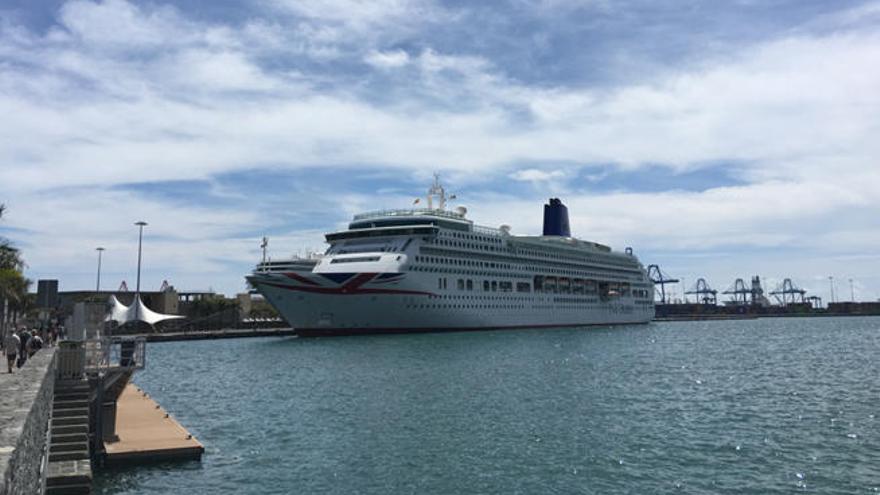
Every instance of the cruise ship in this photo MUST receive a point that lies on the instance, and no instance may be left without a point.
(432, 269)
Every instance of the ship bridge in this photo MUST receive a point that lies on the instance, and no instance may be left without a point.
(438, 217)
(418, 216)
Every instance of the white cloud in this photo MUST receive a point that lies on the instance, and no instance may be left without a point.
(387, 60)
(128, 92)
(431, 61)
(536, 175)
(361, 13)
(772, 109)
(361, 25)
(120, 26)
(200, 70)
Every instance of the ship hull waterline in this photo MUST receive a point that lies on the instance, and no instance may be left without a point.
(415, 311)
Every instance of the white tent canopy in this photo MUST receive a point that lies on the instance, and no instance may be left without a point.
(138, 311)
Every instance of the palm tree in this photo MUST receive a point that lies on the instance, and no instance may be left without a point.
(14, 293)
(10, 257)
(13, 284)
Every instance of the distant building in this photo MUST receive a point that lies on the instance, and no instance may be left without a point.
(203, 309)
(168, 301)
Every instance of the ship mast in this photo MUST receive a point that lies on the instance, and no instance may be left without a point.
(436, 190)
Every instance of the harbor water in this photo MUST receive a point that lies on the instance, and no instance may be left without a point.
(745, 406)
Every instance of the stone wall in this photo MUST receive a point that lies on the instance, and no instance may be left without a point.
(25, 405)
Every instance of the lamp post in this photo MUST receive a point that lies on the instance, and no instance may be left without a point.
(831, 283)
(137, 291)
(100, 251)
(852, 291)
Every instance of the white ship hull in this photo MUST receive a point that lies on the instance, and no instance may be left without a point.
(317, 306)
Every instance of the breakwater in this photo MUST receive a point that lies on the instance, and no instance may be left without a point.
(25, 408)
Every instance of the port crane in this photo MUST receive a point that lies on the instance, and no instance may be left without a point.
(739, 291)
(659, 278)
(791, 294)
(705, 294)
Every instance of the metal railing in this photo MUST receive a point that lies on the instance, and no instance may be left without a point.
(482, 229)
(97, 352)
(128, 353)
(409, 212)
(71, 358)
(93, 356)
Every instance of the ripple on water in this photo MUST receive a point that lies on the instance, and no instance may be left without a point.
(757, 406)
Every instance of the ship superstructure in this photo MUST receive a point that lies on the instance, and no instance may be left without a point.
(431, 269)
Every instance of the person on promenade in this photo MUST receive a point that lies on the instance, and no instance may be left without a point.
(12, 344)
(25, 338)
(34, 345)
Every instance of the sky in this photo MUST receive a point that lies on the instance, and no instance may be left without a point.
(717, 139)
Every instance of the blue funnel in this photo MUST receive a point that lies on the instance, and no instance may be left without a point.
(556, 219)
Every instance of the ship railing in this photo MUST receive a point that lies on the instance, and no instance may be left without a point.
(409, 212)
(287, 264)
(482, 229)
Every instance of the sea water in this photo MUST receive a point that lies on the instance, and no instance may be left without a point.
(747, 406)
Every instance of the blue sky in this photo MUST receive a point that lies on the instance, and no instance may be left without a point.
(718, 139)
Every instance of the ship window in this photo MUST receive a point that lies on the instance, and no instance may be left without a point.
(470, 284)
(505, 286)
(486, 285)
(539, 283)
(354, 260)
(460, 284)
(494, 286)
(523, 287)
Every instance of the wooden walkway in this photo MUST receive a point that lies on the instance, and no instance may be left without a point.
(147, 432)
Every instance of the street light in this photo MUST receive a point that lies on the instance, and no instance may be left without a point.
(831, 283)
(100, 251)
(137, 292)
(852, 291)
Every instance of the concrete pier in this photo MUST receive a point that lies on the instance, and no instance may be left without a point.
(146, 432)
(25, 408)
(54, 412)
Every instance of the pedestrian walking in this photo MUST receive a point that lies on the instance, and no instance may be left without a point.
(12, 344)
(34, 345)
(24, 337)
